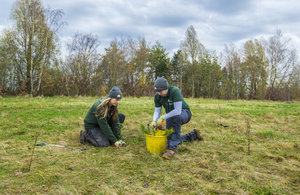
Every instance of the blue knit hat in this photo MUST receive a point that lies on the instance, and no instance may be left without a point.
(115, 92)
(161, 84)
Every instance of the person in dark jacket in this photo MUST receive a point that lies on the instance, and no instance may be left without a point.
(177, 113)
(102, 122)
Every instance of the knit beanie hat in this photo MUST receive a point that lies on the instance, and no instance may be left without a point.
(115, 92)
(161, 84)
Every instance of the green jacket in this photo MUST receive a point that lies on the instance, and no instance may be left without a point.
(112, 129)
(174, 95)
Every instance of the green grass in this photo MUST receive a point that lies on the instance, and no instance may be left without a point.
(218, 165)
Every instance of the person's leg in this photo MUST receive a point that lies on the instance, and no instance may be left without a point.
(82, 139)
(174, 139)
(194, 134)
(191, 136)
(96, 137)
(175, 122)
(186, 116)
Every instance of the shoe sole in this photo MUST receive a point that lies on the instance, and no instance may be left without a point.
(168, 157)
(165, 157)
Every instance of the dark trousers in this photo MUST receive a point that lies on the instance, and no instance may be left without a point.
(175, 122)
(97, 138)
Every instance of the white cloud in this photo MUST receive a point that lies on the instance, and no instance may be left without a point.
(217, 22)
(1, 27)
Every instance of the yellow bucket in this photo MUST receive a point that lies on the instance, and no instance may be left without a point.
(156, 144)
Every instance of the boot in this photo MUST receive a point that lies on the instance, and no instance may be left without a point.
(83, 137)
(169, 154)
(197, 134)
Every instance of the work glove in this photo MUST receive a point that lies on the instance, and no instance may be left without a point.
(153, 124)
(160, 121)
(120, 143)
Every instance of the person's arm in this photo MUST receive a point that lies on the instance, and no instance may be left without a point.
(156, 114)
(104, 126)
(116, 128)
(177, 110)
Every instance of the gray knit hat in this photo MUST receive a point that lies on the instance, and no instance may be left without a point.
(115, 92)
(161, 84)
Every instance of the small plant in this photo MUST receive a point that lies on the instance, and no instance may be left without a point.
(155, 131)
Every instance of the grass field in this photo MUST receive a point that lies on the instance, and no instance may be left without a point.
(218, 165)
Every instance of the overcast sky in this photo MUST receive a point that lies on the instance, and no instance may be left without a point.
(217, 22)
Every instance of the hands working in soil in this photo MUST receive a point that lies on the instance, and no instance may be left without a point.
(159, 123)
(153, 124)
(120, 143)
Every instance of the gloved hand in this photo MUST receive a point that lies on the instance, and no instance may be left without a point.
(153, 124)
(120, 143)
(160, 121)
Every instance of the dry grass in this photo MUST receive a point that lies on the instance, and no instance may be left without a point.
(218, 165)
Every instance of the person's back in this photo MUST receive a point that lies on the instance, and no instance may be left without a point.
(174, 95)
(90, 119)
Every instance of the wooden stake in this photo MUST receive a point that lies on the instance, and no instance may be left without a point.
(248, 127)
(31, 159)
(220, 115)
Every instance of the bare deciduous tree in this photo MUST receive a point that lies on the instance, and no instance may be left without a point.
(82, 61)
(234, 74)
(33, 41)
(256, 64)
(193, 50)
(281, 61)
(113, 64)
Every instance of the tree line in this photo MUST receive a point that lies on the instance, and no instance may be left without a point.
(31, 63)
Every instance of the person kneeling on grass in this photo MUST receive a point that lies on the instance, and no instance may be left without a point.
(102, 122)
(178, 113)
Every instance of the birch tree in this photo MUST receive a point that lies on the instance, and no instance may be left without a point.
(82, 61)
(193, 50)
(256, 64)
(282, 60)
(34, 40)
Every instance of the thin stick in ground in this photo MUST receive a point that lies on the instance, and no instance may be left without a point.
(248, 127)
(220, 115)
(31, 158)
